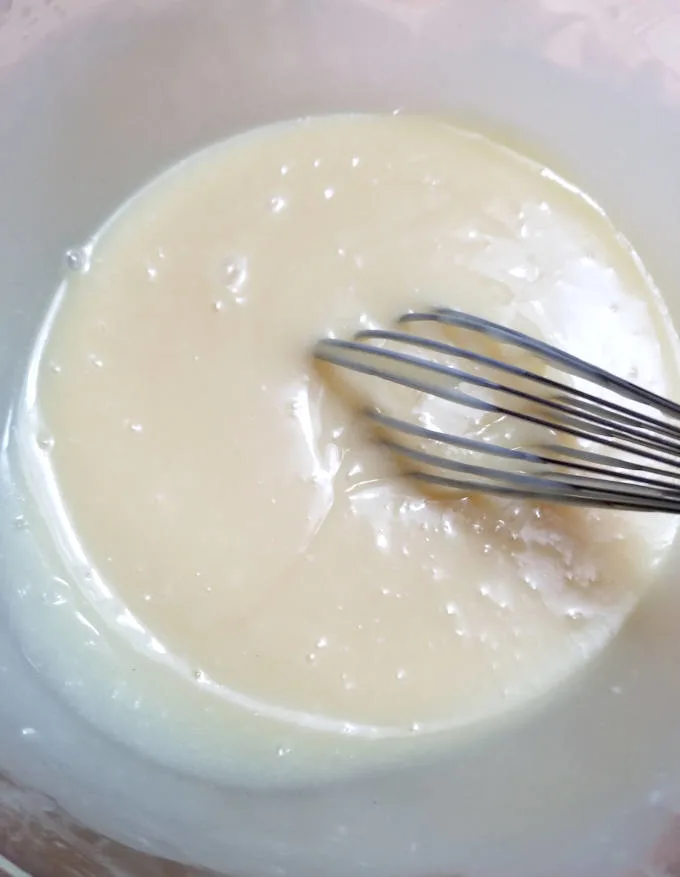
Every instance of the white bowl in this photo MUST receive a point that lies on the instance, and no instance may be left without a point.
(97, 97)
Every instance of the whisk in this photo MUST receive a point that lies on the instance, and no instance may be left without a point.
(604, 441)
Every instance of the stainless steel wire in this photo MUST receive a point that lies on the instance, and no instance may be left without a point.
(603, 440)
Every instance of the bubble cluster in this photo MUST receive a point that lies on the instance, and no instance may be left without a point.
(78, 259)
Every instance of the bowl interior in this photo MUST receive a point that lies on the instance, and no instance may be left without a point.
(98, 97)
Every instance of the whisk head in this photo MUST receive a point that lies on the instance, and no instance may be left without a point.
(590, 438)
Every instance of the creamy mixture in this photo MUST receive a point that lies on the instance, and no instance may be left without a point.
(247, 585)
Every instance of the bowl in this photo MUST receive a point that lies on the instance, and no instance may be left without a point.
(97, 97)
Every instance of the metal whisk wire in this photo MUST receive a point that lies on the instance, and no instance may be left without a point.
(615, 455)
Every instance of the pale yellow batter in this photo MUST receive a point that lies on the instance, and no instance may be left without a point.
(256, 571)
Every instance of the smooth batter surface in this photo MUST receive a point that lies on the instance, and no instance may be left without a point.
(244, 571)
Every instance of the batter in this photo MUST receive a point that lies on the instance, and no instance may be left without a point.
(247, 586)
